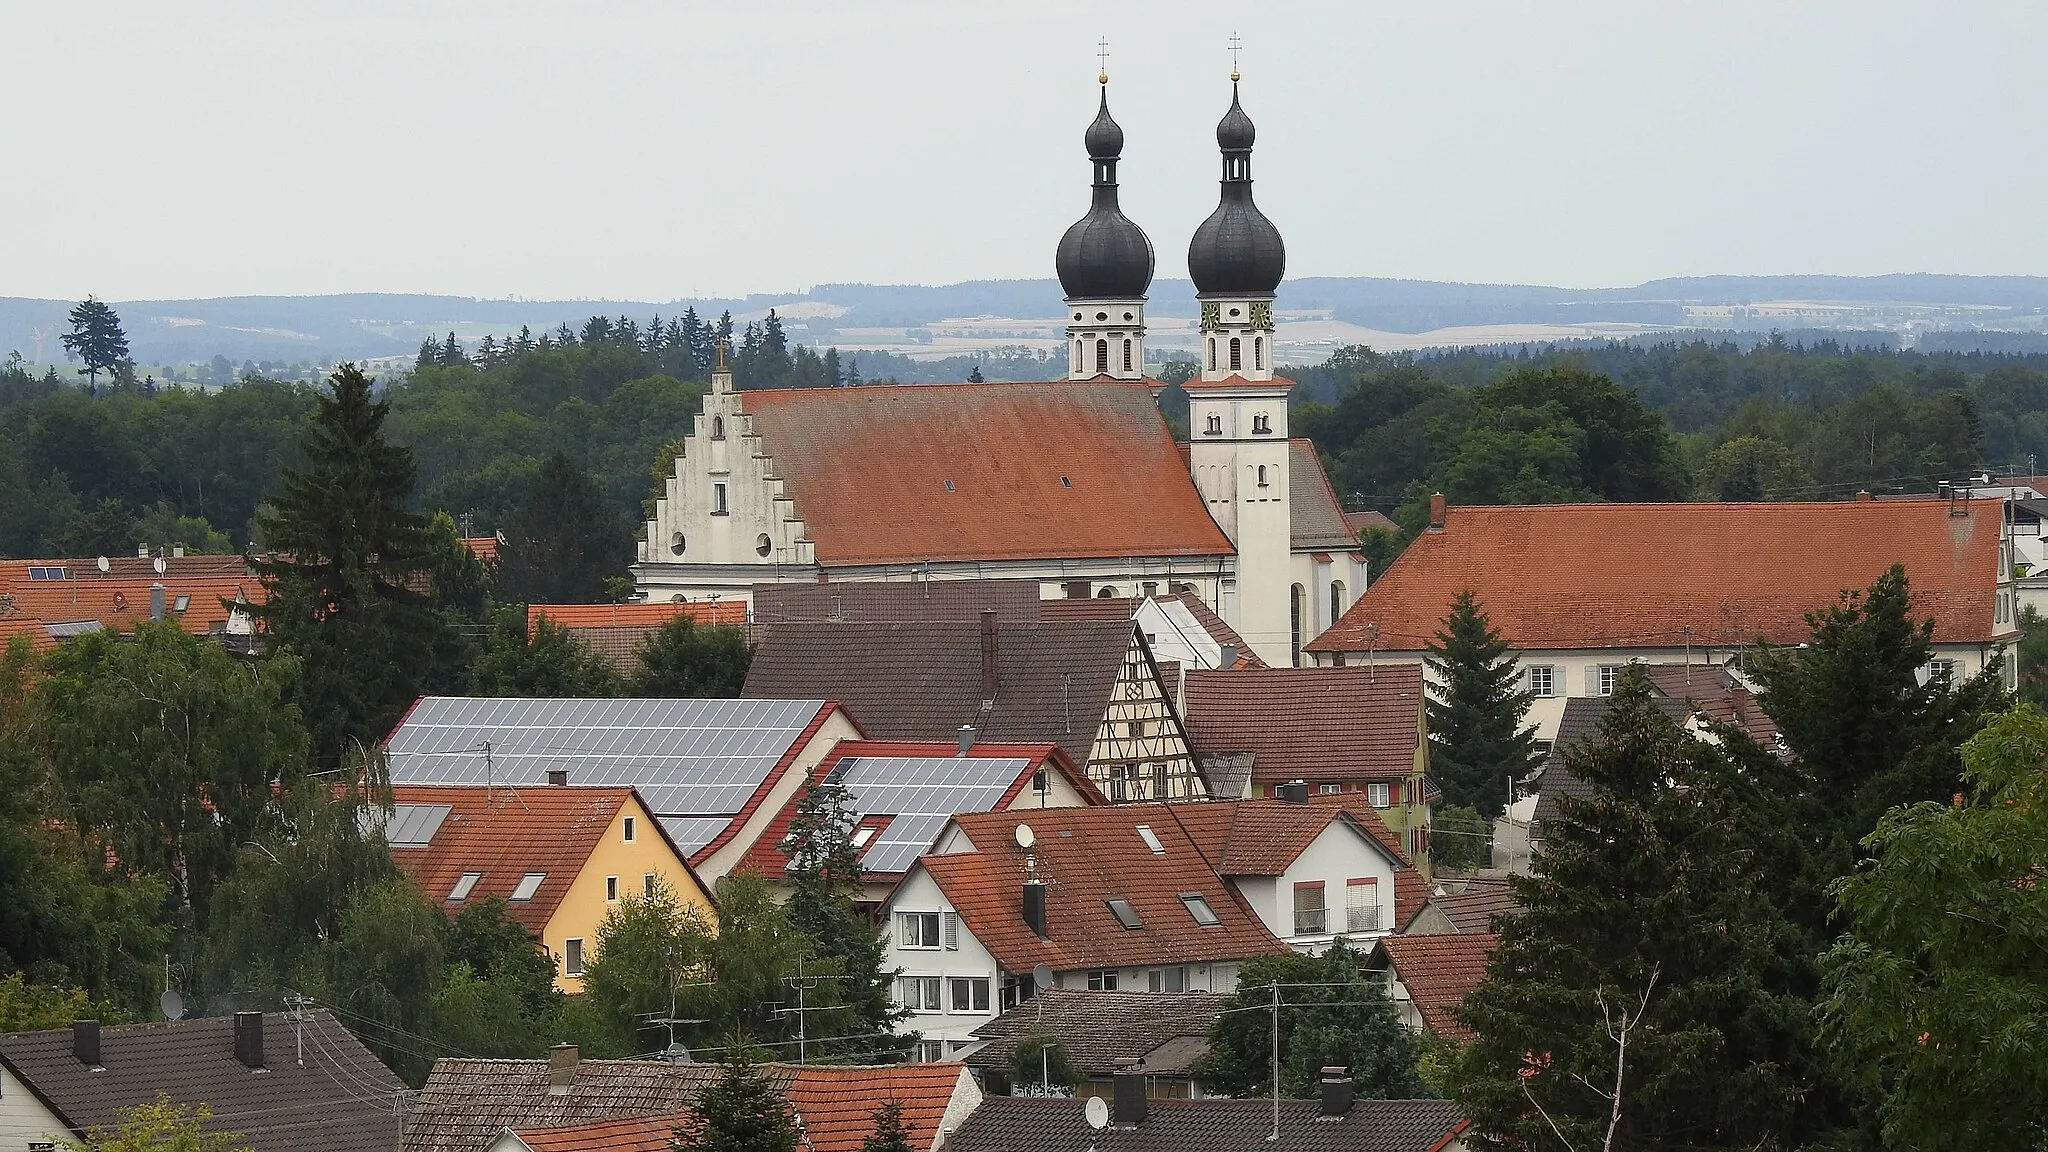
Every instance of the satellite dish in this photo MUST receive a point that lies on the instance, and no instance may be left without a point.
(1097, 1113)
(1041, 977)
(172, 1004)
(103, 564)
(1025, 836)
(158, 564)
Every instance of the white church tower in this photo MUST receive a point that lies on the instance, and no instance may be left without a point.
(1237, 417)
(1105, 267)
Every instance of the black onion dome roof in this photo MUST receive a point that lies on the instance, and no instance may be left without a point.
(1236, 251)
(1235, 133)
(1104, 254)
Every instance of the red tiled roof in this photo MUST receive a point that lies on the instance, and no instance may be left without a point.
(506, 833)
(1311, 723)
(1039, 470)
(767, 857)
(838, 1102)
(1713, 693)
(38, 637)
(634, 1134)
(1641, 575)
(1088, 856)
(637, 614)
(1235, 380)
(119, 598)
(484, 548)
(1439, 971)
(1262, 837)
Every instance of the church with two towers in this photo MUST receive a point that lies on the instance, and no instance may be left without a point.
(1074, 483)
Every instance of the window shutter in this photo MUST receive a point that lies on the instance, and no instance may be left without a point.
(1592, 679)
(950, 929)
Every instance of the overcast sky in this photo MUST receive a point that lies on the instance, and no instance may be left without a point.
(656, 150)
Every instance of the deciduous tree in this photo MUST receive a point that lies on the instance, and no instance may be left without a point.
(1330, 1014)
(686, 659)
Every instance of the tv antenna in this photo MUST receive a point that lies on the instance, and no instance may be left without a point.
(804, 986)
(1097, 1113)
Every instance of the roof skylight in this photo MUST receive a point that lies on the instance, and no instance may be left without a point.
(1151, 839)
(1125, 914)
(1198, 907)
(528, 885)
(464, 884)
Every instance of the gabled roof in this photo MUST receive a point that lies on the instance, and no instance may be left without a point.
(634, 1134)
(1182, 609)
(34, 631)
(922, 681)
(904, 794)
(341, 1100)
(1438, 971)
(1358, 522)
(1102, 1031)
(1038, 1124)
(1317, 514)
(900, 474)
(1311, 723)
(895, 601)
(467, 1103)
(1579, 723)
(120, 597)
(1565, 576)
(1087, 857)
(701, 766)
(1714, 693)
(1473, 909)
(439, 833)
(1265, 837)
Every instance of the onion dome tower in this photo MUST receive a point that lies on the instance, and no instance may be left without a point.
(1105, 267)
(1236, 260)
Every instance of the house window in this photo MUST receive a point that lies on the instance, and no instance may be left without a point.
(1174, 979)
(629, 829)
(931, 1051)
(1102, 980)
(1127, 355)
(718, 500)
(1311, 914)
(1119, 782)
(1542, 680)
(1330, 789)
(38, 572)
(1159, 790)
(1605, 677)
(861, 836)
(917, 929)
(1137, 729)
(1102, 357)
(1362, 904)
(647, 883)
(572, 957)
(1236, 355)
(528, 885)
(1151, 839)
(1215, 427)
(611, 889)
(949, 930)
(1198, 907)
(1041, 781)
(181, 603)
(675, 544)
(1378, 795)
(970, 993)
(1336, 600)
(919, 993)
(1942, 672)
(464, 884)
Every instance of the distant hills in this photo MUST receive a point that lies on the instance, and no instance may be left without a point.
(314, 329)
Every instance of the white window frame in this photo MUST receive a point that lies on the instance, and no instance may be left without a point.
(922, 920)
(464, 885)
(930, 1051)
(629, 830)
(979, 995)
(529, 886)
(1103, 979)
(1541, 680)
(1379, 794)
(1164, 979)
(611, 889)
(1330, 789)
(1944, 670)
(1312, 920)
(921, 1002)
(1606, 677)
(1362, 904)
(647, 884)
(1199, 908)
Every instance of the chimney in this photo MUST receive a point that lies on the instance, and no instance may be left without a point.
(558, 777)
(988, 653)
(249, 1039)
(1863, 496)
(142, 551)
(1228, 659)
(177, 551)
(1293, 792)
(1436, 511)
(156, 601)
(1336, 1091)
(562, 1062)
(85, 1042)
(967, 734)
(1034, 907)
(1127, 1096)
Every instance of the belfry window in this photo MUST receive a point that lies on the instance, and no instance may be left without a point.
(1077, 355)
(1215, 426)
(1212, 354)
(1236, 355)
(1102, 357)
(1262, 475)
(1127, 355)
(1259, 352)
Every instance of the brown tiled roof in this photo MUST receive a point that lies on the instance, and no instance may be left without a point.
(32, 629)
(484, 548)
(506, 833)
(1640, 575)
(466, 1103)
(1438, 971)
(1037, 470)
(1088, 856)
(1311, 723)
(895, 601)
(1370, 518)
(341, 1100)
(1088, 608)
(1235, 380)
(1716, 695)
(1102, 1031)
(1411, 889)
(1039, 1124)
(119, 598)
(1473, 909)
(1312, 504)
(635, 1134)
(922, 681)
(768, 856)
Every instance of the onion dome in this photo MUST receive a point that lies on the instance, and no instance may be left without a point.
(1236, 251)
(1104, 255)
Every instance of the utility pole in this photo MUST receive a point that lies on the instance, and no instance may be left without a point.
(804, 985)
(298, 1005)
(1274, 1136)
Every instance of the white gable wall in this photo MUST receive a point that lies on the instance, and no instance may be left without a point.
(24, 1119)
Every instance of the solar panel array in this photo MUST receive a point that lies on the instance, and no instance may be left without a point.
(921, 793)
(695, 761)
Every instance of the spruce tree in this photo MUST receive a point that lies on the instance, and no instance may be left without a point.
(562, 541)
(1645, 920)
(342, 553)
(892, 1132)
(825, 874)
(739, 1112)
(96, 338)
(1477, 741)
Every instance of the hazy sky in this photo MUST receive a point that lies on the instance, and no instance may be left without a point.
(664, 149)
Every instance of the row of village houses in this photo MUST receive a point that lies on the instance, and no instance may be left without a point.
(1090, 811)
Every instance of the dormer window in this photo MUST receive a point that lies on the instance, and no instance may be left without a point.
(1215, 427)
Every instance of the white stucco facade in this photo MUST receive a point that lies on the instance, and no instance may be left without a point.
(1238, 455)
(1352, 871)
(24, 1120)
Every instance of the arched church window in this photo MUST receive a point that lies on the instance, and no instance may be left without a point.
(1215, 425)
(1336, 600)
(718, 427)
(1258, 352)
(1102, 357)
(1127, 355)
(1236, 355)
(1294, 605)
(1212, 354)
(1262, 475)
(675, 544)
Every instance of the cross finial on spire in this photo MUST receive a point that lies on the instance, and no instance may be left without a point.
(1102, 57)
(1235, 44)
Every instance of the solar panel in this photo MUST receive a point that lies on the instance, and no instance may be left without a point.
(689, 758)
(921, 793)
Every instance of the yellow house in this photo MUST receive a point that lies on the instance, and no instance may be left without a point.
(560, 857)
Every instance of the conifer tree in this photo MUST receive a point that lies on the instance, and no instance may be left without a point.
(342, 551)
(96, 338)
(451, 353)
(739, 1112)
(892, 1132)
(1640, 996)
(563, 541)
(825, 874)
(833, 376)
(1478, 743)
